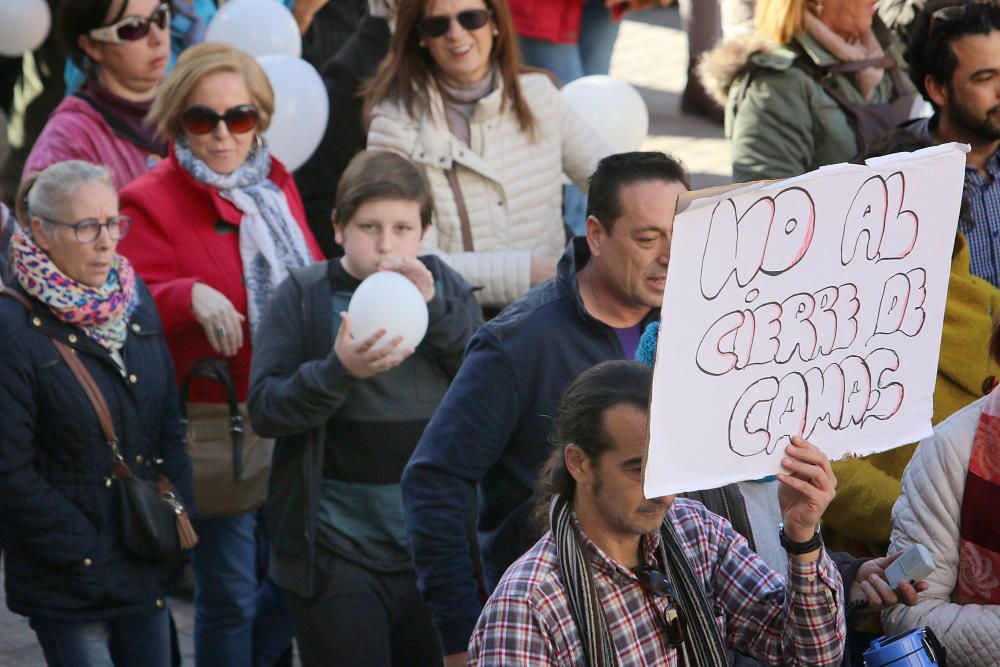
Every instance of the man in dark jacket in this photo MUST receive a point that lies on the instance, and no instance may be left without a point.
(492, 427)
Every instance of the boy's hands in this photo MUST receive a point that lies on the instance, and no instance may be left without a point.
(413, 269)
(360, 358)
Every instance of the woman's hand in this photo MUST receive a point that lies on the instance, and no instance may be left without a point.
(359, 357)
(413, 269)
(807, 487)
(222, 323)
(873, 591)
(542, 269)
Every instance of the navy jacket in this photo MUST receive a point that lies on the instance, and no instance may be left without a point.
(492, 429)
(60, 518)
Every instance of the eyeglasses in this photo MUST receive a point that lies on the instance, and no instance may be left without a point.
(88, 231)
(470, 19)
(656, 584)
(133, 28)
(200, 119)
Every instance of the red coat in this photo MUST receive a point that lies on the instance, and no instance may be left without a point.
(184, 232)
(550, 20)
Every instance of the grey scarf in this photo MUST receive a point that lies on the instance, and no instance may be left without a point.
(270, 238)
(703, 647)
(460, 103)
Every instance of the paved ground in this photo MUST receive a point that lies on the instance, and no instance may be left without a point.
(651, 53)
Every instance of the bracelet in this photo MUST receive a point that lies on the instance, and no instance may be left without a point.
(799, 548)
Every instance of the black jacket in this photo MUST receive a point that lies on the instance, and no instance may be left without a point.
(60, 518)
(297, 384)
(492, 429)
(345, 134)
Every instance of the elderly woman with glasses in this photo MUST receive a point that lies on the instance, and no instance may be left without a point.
(123, 46)
(90, 601)
(493, 138)
(218, 223)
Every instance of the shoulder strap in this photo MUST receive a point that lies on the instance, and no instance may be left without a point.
(117, 126)
(90, 388)
(463, 213)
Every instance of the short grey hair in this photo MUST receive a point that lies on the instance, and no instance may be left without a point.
(43, 192)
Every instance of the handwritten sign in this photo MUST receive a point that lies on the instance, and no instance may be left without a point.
(808, 307)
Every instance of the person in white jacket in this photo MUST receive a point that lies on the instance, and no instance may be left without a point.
(936, 509)
(493, 137)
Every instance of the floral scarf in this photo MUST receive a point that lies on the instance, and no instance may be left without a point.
(979, 539)
(271, 240)
(102, 312)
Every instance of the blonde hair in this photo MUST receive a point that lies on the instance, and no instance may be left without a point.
(780, 20)
(197, 62)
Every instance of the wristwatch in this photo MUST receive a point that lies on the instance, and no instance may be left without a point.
(799, 548)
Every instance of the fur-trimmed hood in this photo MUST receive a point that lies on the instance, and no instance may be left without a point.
(720, 66)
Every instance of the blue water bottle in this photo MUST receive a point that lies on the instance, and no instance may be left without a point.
(911, 648)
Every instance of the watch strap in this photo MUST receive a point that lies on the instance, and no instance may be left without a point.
(799, 548)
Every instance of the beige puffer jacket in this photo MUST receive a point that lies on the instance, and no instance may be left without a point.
(512, 185)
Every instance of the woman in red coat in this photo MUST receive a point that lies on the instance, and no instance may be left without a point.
(216, 225)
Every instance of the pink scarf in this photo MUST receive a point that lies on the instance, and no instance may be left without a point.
(979, 532)
(102, 312)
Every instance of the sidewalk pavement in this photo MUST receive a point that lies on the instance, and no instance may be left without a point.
(651, 54)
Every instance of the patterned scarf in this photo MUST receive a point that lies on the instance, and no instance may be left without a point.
(270, 238)
(979, 537)
(102, 312)
(704, 646)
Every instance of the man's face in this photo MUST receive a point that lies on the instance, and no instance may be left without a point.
(632, 259)
(970, 103)
(612, 486)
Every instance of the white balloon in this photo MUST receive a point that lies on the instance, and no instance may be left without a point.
(301, 109)
(388, 300)
(259, 27)
(24, 25)
(612, 107)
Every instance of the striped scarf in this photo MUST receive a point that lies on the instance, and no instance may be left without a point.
(979, 539)
(704, 646)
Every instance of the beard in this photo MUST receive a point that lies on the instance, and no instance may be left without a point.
(984, 128)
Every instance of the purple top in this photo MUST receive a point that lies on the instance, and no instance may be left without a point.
(629, 337)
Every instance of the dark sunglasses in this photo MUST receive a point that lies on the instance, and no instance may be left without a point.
(470, 19)
(655, 583)
(87, 231)
(133, 28)
(200, 119)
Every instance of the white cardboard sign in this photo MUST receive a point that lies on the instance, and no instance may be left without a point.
(811, 306)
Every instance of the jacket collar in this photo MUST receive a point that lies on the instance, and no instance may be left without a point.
(226, 209)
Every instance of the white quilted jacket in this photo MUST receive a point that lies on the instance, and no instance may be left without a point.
(512, 185)
(928, 513)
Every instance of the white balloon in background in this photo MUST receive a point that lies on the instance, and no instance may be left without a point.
(24, 25)
(259, 27)
(301, 109)
(388, 300)
(612, 107)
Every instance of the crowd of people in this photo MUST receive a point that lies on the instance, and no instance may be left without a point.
(174, 313)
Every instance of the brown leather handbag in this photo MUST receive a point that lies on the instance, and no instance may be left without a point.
(231, 463)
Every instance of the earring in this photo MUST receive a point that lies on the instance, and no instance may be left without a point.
(259, 141)
(422, 44)
(495, 32)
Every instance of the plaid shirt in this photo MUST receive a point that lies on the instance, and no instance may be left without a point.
(983, 194)
(527, 620)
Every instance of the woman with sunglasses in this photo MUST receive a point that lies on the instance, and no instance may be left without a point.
(90, 602)
(217, 225)
(493, 138)
(819, 82)
(123, 46)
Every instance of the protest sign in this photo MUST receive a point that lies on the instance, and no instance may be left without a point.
(812, 307)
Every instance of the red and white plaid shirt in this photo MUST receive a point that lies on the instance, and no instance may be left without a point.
(527, 620)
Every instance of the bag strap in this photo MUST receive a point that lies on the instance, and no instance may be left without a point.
(463, 213)
(90, 388)
(117, 126)
(216, 369)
